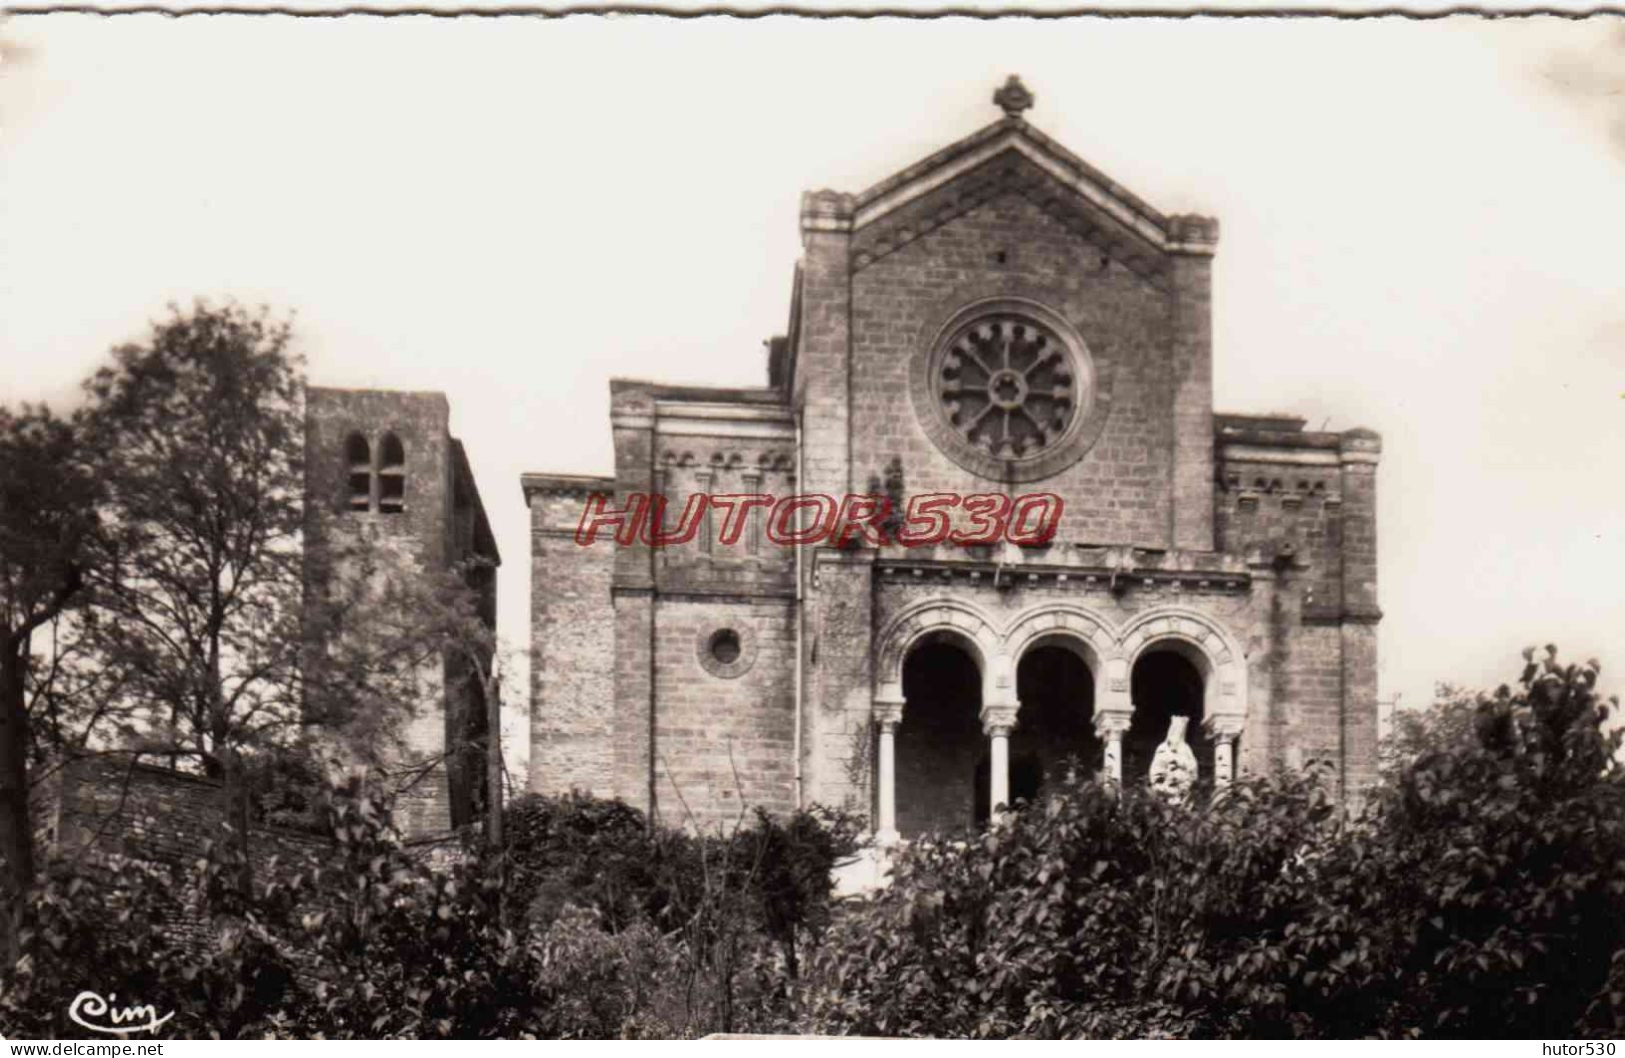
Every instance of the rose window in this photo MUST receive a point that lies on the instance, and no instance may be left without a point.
(1008, 386)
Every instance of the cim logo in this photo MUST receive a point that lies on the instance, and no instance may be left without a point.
(91, 1011)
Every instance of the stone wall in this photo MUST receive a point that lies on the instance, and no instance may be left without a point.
(838, 656)
(156, 815)
(1304, 504)
(420, 421)
(572, 636)
(623, 704)
(723, 731)
(96, 807)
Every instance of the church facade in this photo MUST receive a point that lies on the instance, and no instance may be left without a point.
(998, 320)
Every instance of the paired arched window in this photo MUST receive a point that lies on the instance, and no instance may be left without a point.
(380, 486)
(358, 458)
(391, 475)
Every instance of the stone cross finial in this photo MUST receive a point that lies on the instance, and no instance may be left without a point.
(1013, 97)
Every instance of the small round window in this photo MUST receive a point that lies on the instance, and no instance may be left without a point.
(725, 646)
(726, 652)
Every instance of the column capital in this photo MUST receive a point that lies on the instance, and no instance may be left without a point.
(999, 717)
(1224, 727)
(1112, 723)
(887, 710)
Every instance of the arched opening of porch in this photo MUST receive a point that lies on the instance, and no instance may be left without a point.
(939, 742)
(1054, 737)
(1169, 679)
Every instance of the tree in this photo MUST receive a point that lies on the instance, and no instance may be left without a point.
(1448, 723)
(1505, 854)
(47, 520)
(429, 634)
(201, 596)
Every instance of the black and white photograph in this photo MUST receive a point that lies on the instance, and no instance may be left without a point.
(678, 525)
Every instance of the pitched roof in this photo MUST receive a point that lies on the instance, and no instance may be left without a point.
(1092, 189)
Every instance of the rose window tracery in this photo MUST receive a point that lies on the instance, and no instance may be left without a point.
(1008, 386)
(1008, 390)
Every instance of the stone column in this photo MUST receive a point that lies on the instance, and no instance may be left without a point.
(1223, 730)
(999, 752)
(888, 714)
(1110, 726)
(997, 721)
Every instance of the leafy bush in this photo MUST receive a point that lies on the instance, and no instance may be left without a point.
(603, 985)
(1480, 893)
(1502, 867)
(738, 905)
(394, 948)
(1093, 913)
(793, 865)
(581, 851)
(108, 922)
(590, 924)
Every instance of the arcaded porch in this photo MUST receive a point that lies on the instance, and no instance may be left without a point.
(978, 719)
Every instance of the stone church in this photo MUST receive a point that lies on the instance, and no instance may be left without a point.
(999, 318)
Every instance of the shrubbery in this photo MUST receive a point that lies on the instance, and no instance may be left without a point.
(1480, 893)
(109, 923)
(738, 906)
(591, 924)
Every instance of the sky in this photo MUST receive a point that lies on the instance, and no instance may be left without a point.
(1422, 234)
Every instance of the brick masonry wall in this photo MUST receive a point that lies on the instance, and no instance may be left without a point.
(572, 639)
(1315, 524)
(101, 807)
(723, 742)
(839, 689)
